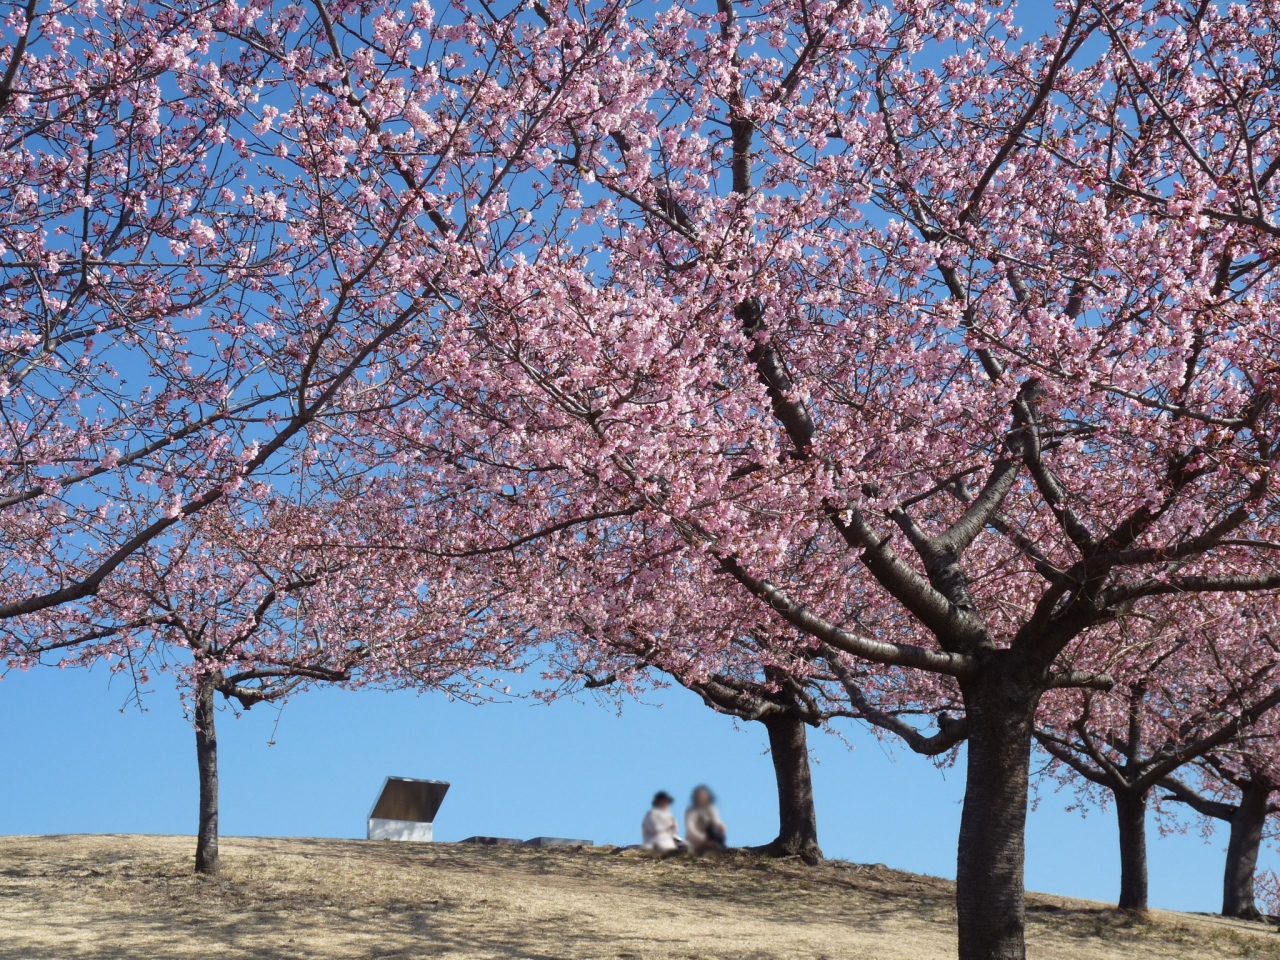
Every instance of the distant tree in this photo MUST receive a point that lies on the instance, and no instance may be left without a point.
(618, 631)
(1243, 795)
(1205, 681)
(1238, 782)
(781, 680)
(786, 702)
(261, 611)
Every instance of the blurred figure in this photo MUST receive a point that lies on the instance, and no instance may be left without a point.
(702, 823)
(659, 826)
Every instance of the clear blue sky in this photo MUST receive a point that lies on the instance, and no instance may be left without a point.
(72, 762)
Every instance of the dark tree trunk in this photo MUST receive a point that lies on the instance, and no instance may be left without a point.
(797, 816)
(1242, 852)
(989, 866)
(1131, 814)
(207, 760)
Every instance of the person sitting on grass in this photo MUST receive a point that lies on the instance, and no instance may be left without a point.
(702, 823)
(659, 826)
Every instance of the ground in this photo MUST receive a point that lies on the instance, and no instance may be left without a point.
(135, 897)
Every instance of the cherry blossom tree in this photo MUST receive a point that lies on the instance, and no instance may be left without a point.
(260, 610)
(1204, 681)
(891, 303)
(227, 235)
(1238, 781)
(1237, 786)
(109, 122)
(225, 231)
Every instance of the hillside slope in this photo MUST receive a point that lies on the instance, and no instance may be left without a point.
(135, 897)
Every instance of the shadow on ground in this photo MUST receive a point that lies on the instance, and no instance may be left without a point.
(110, 897)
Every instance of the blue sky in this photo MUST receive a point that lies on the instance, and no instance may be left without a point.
(73, 762)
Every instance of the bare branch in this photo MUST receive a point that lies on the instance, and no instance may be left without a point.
(798, 615)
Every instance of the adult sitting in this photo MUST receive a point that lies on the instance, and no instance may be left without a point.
(702, 823)
(659, 826)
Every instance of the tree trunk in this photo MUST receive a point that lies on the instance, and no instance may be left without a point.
(989, 865)
(1242, 852)
(797, 816)
(1131, 813)
(207, 760)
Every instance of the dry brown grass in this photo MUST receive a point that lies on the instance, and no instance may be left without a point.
(134, 896)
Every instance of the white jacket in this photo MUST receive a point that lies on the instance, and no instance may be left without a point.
(659, 830)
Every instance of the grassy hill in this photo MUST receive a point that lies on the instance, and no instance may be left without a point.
(135, 897)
